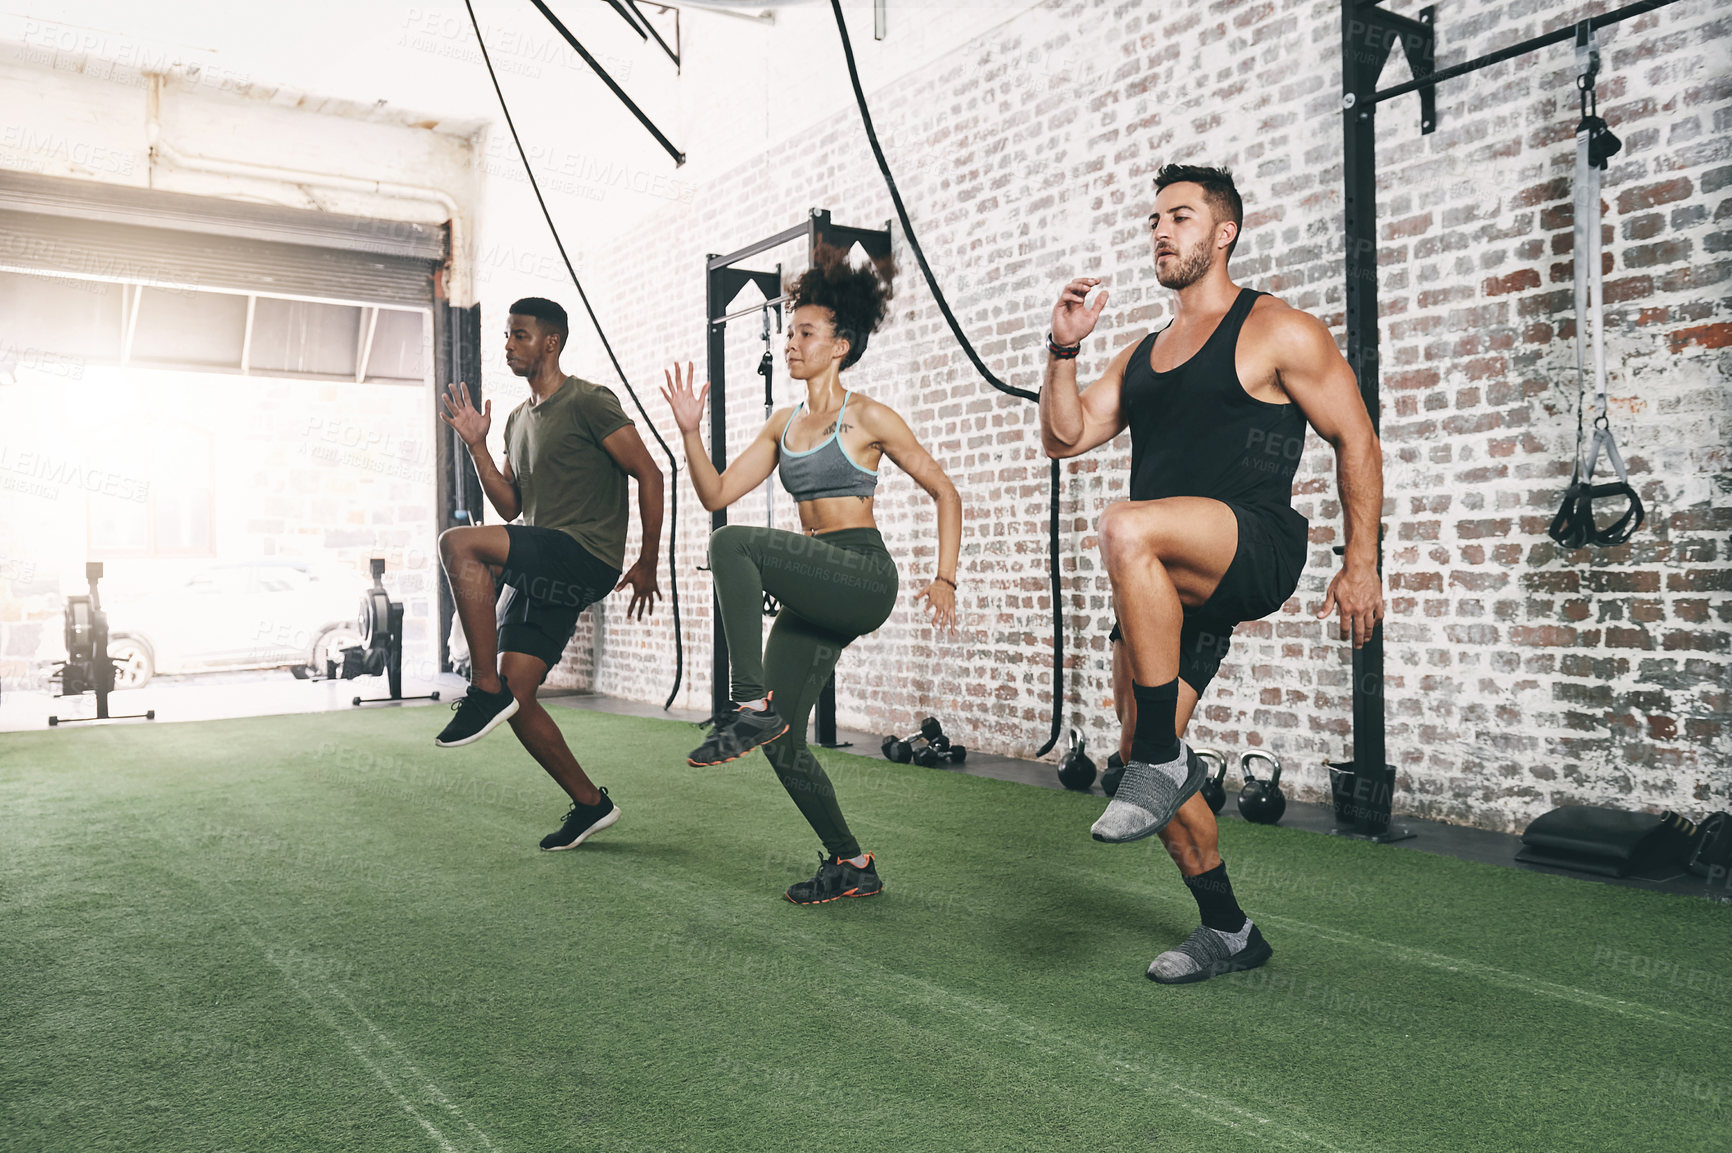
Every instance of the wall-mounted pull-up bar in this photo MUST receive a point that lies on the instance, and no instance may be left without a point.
(1557, 36)
(723, 281)
(1368, 35)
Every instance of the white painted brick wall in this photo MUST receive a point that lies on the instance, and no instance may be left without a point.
(1519, 678)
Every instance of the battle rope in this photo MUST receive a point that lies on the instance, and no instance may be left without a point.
(962, 339)
(673, 463)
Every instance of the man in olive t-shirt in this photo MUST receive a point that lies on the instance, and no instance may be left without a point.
(568, 451)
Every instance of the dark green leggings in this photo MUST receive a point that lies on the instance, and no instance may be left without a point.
(832, 588)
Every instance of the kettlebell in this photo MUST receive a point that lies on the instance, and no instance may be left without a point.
(1261, 802)
(1214, 790)
(1115, 773)
(1077, 773)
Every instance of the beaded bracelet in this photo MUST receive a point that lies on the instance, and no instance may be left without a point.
(946, 580)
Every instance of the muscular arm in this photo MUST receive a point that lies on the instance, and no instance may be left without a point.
(628, 451)
(1320, 382)
(1072, 423)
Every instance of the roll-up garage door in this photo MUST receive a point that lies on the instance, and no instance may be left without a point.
(103, 273)
(171, 240)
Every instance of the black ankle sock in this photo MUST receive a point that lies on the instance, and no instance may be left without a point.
(1215, 900)
(1155, 741)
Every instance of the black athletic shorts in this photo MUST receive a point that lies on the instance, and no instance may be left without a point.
(1265, 571)
(551, 579)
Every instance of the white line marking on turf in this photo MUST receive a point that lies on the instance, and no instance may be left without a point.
(324, 1014)
(1584, 997)
(993, 1017)
(393, 1052)
(1537, 985)
(975, 1011)
(385, 1050)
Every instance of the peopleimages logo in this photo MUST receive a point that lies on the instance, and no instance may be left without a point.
(41, 360)
(23, 141)
(101, 55)
(448, 33)
(42, 474)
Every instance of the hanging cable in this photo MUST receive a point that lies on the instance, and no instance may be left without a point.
(962, 339)
(673, 463)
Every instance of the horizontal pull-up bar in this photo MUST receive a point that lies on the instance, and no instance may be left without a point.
(1558, 36)
(773, 302)
(798, 232)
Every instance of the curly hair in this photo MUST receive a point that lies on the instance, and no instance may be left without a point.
(858, 298)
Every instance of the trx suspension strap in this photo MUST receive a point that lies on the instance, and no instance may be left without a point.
(767, 366)
(1574, 526)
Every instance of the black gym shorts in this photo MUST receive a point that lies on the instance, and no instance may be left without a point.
(1264, 572)
(551, 579)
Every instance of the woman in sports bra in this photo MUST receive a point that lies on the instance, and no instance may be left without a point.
(836, 582)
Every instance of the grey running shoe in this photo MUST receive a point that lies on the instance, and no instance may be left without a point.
(1207, 953)
(1146, 799)
(734, 734)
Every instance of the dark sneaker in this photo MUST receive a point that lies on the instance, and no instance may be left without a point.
(737, 732)
(581, 822)
(836, 879)
(478, 714)
(1209, 953)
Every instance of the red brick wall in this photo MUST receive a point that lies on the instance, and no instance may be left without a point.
(1519, 677)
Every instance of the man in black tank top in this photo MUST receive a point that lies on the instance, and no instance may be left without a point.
(1217, 404)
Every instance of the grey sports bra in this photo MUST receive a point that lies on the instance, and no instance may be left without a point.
(825, 470)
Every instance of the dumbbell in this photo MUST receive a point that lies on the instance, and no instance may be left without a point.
(901, 750)
(926, 753)
(1076, 772)
(926, 748)
(929, 751)
(1261, 802)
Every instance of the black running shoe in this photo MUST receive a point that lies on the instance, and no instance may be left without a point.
(837, 878)
(737, 732)
(581, 822)
(478, 714)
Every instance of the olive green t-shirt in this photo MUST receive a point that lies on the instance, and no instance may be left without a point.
(565, 479)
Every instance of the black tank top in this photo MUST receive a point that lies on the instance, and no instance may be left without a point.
(1195, 431)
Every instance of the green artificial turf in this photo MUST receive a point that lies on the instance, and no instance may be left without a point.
(320, 932)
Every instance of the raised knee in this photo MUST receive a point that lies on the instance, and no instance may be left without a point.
(1122, 536)
(730, 537)
(451, 543)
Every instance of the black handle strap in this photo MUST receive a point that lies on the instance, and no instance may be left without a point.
(1574, 525)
